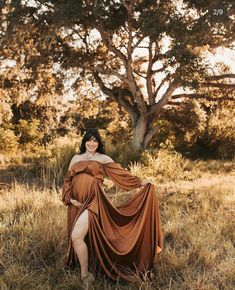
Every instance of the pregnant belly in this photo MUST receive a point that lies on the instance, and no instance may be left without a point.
(83, 186)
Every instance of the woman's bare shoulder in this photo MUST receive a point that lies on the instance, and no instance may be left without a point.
(75, 159)
(105, 159)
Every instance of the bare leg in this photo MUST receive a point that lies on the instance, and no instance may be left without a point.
(78, 235)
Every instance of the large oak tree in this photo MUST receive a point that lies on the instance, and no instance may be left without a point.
(138, 52)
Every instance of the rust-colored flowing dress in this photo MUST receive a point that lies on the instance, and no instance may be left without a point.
(120, 240)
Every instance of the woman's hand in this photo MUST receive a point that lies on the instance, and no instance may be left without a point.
(144, 182)
(75, 202)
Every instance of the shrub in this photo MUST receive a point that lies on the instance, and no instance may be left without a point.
(53, 167)
(8, 141)
(29, 134)
(164, 163)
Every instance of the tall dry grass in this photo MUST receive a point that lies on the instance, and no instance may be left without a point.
(197, 208)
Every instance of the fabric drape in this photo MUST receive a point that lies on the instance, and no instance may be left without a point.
(121, 240)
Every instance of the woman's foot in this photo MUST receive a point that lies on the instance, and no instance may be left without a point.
(87, 280)
(151, 276)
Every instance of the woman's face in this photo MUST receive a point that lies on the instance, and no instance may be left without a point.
(91, 145)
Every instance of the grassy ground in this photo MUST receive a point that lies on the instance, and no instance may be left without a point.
(197, 208)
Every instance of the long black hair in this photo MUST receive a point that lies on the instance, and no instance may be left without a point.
(92, 133)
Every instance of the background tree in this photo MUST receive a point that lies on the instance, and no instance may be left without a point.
(139, 53)
(198, 128)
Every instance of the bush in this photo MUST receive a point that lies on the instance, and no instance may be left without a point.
(8, 141)
(29, 134)
(122, 153)
(52, 168)
(199, 129)
(165, 163)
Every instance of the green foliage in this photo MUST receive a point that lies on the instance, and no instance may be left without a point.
(221, 131)
(122, 153)
(5, 110)
(29, 134)
(199, 129)
(61, 158)
(166, 164)
(8, 141)
(52, 167)
(96, 45)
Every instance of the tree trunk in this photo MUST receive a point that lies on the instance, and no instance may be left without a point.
(143, 134)
(139, 134)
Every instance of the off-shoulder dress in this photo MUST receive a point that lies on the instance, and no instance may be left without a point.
(121, 240)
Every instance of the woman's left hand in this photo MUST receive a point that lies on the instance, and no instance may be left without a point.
(75, 202)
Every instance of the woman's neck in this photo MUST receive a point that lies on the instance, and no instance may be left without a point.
(90, 154)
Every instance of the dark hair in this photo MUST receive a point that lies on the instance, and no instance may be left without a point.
(90, 134)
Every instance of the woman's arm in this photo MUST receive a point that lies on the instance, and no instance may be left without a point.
(66, 188)
(121, 177)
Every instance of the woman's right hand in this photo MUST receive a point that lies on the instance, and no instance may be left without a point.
(144, 182)
(75, 202)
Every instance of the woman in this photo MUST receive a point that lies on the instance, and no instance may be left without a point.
(120, 241)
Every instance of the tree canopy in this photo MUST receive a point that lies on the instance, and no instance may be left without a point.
(148, 56)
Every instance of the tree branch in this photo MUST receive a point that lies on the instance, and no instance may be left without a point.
(154, 71)
(149, 75)
(139, 74)
(118, 53)
(224, 43)
(106, 71)
(118, 95)
(130, 74)
(201, 96)
(156, 109)
(160, 85)
(214, 85)
(138, 42)
(219, 77)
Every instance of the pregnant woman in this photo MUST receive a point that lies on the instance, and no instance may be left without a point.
(117, 241)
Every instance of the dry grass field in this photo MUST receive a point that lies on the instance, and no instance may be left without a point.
(196, 200)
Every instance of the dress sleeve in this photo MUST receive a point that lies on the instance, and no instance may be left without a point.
(121, 177)
(66, 189)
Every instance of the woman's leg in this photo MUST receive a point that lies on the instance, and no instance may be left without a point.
(78, 235)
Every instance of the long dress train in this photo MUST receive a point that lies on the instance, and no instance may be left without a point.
(122, 241)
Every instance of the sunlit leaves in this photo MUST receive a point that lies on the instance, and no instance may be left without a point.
(135, 52)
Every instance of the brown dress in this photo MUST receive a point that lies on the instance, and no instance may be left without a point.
(121, 240)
